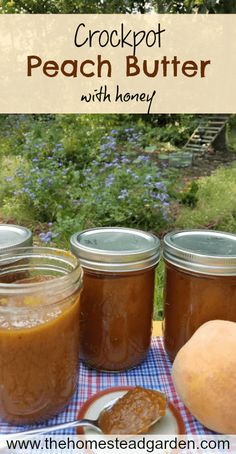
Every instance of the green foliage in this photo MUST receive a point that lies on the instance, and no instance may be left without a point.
(116, 190)
(77, 172)
(190, 196)
(216, 205)
(72, 6)
(172, 133)
(33, 186)
(195, 6)
(81, 135)
(232, 133)
(116, 6)
(60, 174)
(159, 289)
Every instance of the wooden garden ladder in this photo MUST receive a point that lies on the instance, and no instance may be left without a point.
(204, 136)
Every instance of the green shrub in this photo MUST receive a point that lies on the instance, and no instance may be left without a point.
(117, 190)
(190, 196)
(54, 179)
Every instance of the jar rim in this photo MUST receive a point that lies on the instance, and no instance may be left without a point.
(202, 251)
(13, 236)
(71, 277)
(116, 249)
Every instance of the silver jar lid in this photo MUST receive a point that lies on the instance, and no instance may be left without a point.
(12, 236)
(116, 249)
(202, 251)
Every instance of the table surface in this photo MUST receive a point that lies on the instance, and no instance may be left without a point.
(153, 373)
(157, 328)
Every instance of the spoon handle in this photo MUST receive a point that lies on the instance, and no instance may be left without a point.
(44, 430)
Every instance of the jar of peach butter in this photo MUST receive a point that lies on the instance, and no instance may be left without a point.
(200, 283)
(39, 332)
(117, 300)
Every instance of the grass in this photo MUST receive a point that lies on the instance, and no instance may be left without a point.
(216, 204)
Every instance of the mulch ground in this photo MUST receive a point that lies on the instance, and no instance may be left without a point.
(205, 165)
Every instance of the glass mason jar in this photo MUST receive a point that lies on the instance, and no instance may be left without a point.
(12, 236)
(200, 283)
(39, 332)
(117, 300)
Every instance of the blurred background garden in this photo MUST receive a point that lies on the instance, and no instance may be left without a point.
(61, 174)
(64, 173)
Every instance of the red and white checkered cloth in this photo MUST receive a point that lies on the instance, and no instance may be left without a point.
(153, 373)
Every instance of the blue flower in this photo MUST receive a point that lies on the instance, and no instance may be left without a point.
(86, 171)
(46, 237)
(160, 185)
(43, 237)
(107, 165)
(155, 195)
(111, 145)
(8, 179)
(103, 155)
(26, 190)
(143, 158)
(123, 194)
(32, 195)
(109, 181)
(124, 160)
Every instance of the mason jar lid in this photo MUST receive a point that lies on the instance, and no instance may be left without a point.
(116, 249)
(202, 251)
(12, 236)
